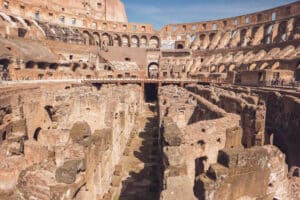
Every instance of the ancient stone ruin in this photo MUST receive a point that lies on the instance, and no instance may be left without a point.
(95, 108)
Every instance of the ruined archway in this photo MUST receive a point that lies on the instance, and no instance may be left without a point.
(153, 70)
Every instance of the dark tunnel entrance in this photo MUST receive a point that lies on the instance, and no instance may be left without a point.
(150, 92)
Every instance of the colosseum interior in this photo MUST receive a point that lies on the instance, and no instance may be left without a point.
(93, 107)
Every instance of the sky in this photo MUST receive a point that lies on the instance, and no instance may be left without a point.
(163, 12)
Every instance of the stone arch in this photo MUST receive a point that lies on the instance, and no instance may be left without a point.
(282, 32)
(254, 30)
(96, 37)
(213, 69)
(154, 42)
(222, 68)
(264, 66)
(37, 133)
(231, 67)
(243, 37)
(179, 46)
(202, 37)
(135, 42)
(211, 36)
(125, 41)
(252, 66)
(106, 39)
(268, 31)
(296, 31)
(116, 40)
(153, 70)
(144, 41)
(276, 65)
(88, 38)
(4, 73)
(30, 65)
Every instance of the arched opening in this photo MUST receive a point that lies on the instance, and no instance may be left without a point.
(88, 39)
(116, 40)
(213, 69)
(106, 39)
(268, 34)
(179, 46)
(276, 65)
(30, 65)
(36, 133)
(4, 74)
(252, 66)
(125, 41)
(135, 41)
(282, 29)
(264, 66)
(153, 70)
(243, 37)
(231, 67)
(144, 42)
(211, 36)
(154, 42)
(254, 30)
(96, 37)
(222, 69)
(4, 136)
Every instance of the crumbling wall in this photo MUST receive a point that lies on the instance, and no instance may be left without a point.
(251, 109)
(254, 173)
(190, 147)
(65, 141)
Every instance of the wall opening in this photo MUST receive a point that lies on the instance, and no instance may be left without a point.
(180, 46)
(36, 133)
(4, 136)
(150, 92)
(153, 70)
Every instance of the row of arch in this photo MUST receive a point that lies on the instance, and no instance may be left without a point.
(289, 51)
(225, 68)
(120, 40)
(264, 34)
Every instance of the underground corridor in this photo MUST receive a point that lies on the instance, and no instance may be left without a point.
(150, 92)
(142, 160)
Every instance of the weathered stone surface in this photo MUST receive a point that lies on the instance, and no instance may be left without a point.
(67, 173)
(172, 134)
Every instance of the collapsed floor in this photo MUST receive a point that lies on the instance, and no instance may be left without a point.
(73, 141)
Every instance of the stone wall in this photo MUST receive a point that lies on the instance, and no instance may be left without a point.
(64, 141)
(251, 109)
(282, 124)
(193, 131)
(255, 173)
